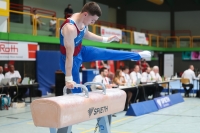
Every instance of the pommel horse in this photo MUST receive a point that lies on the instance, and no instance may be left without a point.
(60, 113)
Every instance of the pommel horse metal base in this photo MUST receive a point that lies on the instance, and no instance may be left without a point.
(104, 124)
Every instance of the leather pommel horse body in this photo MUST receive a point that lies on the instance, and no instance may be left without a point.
(60, 113)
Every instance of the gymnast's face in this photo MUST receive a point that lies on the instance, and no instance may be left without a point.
(89, 19)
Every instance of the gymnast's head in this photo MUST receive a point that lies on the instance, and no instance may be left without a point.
(90, 13)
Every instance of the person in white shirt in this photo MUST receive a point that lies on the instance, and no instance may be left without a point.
(15, 74)
(52, 26)
(120, 80)
(102, 78)
(146, 76)
(1, 73)
(2, 90)
(125, 73)
(155, 74)
(135, 75)
(156, 77)
(189, 74)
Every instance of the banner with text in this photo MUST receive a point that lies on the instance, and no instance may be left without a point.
(107, 32)
(140, 38)
(162, 102)
(16, 50)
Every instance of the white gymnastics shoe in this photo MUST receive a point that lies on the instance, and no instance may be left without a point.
(145, 54)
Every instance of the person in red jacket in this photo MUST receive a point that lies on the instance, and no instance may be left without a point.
(144, 65)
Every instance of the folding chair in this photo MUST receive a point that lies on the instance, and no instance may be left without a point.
(185, 81)
(166, 86)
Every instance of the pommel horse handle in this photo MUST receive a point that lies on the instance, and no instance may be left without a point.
(97, 83)
(77, 85)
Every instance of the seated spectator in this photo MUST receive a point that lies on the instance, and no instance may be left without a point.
(1, 73)
(189, 74)
(102, 78)
(125, 73)
(52, 26)
(135, 75)
(2, 90)
(120, 80)
(12, 74)
(156, 77)
(146, 77)
(37, 19)
(155, 74)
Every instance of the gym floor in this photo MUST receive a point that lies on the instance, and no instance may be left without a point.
(180, 118)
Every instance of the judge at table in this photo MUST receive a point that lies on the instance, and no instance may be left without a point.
(15, 74)
(156, 77)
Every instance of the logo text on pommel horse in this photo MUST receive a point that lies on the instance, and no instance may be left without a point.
(97, 110)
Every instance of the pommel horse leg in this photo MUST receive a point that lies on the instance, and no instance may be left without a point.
(104, 124)
(60, 113)
(61, 130)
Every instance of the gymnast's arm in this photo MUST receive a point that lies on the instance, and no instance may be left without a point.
(69, 32)
(91, 36)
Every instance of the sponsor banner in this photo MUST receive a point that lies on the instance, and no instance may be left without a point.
(188, 55)
(107, 32)
(16, 50)
(140, 38)
(163, 102)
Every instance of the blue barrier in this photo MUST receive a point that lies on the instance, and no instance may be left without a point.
(163, 102)
(156, 104)
(47, 62)
(142, 108)
(176, 98)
